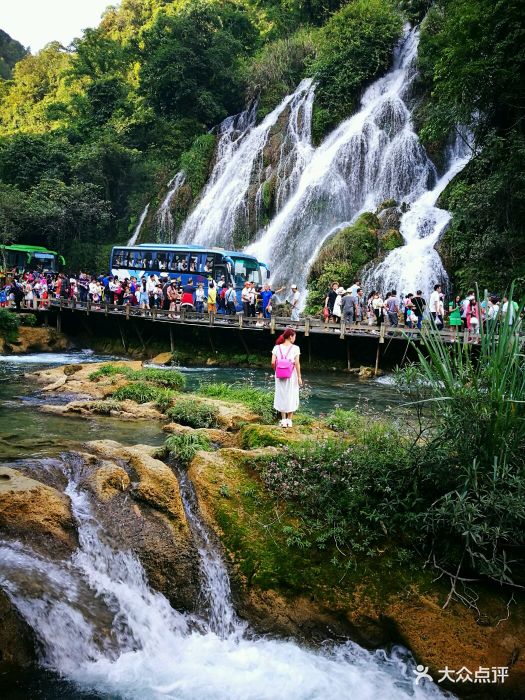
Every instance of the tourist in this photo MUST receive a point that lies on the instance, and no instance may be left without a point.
(354, 287)
(245, 299)
(172, 296)
(348, 307)
(435, 304)
(330, 300)
(267, 295)
(337, 310)
(142, 294)
(187, 299)
(370, 308)
(509, 311)
(199, 299)
(419, 307)
(378, 308)
(392, 308)
(473, 316)
(454, 314)
(252, 299)
(296, 298)
(230, 299)
(285, 362)
(212, 298)
(359, 308)
(493, 310)
(408, 305)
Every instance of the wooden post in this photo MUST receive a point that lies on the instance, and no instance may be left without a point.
(137, 331)
(348, 365)
(88, 306)
(309, 350)
(342, 330)
(122, 337)
(127, 312)
(106, 308)
(241, 321)
(379, 343)
(172, 340)
(59, 320)
(306, 328)
(272, 325)
(154, 313)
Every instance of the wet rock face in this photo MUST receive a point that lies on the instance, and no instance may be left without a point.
(35, 512)
(35, 340)
(17, 643)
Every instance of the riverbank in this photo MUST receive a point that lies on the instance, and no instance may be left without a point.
(281, 584)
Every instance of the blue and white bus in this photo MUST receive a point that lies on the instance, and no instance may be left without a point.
(180, 262)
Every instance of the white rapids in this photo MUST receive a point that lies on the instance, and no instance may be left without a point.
(102, 627)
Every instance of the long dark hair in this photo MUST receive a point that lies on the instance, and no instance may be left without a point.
(285, 335)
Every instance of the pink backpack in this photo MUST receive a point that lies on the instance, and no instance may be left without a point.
(284, 367)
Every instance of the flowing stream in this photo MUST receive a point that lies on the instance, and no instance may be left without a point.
(103, 628)
(104, 633)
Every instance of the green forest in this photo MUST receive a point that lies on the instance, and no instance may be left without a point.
(89, 133)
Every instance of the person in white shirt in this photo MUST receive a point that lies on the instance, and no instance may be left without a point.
(296, 297)
(435, 306)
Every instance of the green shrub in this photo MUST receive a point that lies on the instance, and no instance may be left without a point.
(109, 370)
(162, 377)
(188, 411)
(355, 46)
(341, 258)
(185, 446)
(196, 162)
(259, 401)
(8, 325)
(27, 320)
(390, 240)
(474, 405)
(140, 392)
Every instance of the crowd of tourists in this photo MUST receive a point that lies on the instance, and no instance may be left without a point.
(375, 309)
(34, 290)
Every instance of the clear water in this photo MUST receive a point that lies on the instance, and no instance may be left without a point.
(106, 634)
(109, 635)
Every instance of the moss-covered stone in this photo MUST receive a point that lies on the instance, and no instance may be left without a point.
(390, 240)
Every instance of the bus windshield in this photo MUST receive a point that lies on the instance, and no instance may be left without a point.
(246, 270)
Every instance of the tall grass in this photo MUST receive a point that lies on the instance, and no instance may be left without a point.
(474, 399)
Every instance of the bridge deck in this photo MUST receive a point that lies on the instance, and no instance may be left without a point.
(306, 326)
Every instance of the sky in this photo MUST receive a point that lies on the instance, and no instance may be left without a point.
(35, 23)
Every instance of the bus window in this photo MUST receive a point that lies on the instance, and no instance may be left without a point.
(208, 265)
(117, 258)
(194, 263)
(184, 263)
(162, 262)
(246, 270)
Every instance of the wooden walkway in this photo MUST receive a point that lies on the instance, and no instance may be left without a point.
(305, 326)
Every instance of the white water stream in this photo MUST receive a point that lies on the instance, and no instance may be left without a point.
(102, 627)
(224, 205)
(164, 218)
(136, 233)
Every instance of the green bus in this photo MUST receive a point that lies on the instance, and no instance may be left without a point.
(20, 258)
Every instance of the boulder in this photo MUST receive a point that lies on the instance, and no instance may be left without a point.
(65, 380)
(36, 512)
(163, 358)
(36, 339)
(214, 435)
(17, 643)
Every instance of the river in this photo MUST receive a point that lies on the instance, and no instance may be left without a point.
(157, 652)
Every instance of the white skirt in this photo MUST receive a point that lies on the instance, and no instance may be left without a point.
(287, 394)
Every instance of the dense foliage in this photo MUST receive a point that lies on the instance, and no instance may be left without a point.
(11, 51)
(448, 485)
(472, 60)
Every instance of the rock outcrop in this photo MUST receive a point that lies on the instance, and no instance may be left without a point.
(35, 339)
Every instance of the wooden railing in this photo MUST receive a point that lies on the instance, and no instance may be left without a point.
(307, 325)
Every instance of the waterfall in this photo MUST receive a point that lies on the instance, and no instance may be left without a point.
(164, 218)
(136, 233)
(372, 156)
(224, 207)
(417, 265)
(102, 627)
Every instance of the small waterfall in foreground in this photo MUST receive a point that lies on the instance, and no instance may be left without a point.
(417, 265)
(101, 626)
(164, 219)
(224, 206)
(136, 233)
(373, 156)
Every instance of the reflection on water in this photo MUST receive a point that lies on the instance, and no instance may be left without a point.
(25, 430)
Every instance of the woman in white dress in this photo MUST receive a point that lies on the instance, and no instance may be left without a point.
(286, 399)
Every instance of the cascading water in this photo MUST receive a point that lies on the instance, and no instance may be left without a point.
(416, 265)
(136, 233)
(164, 218)
(223, 208)
(373, 156)
(102, 627)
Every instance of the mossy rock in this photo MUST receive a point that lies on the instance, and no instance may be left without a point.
(390, 240)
